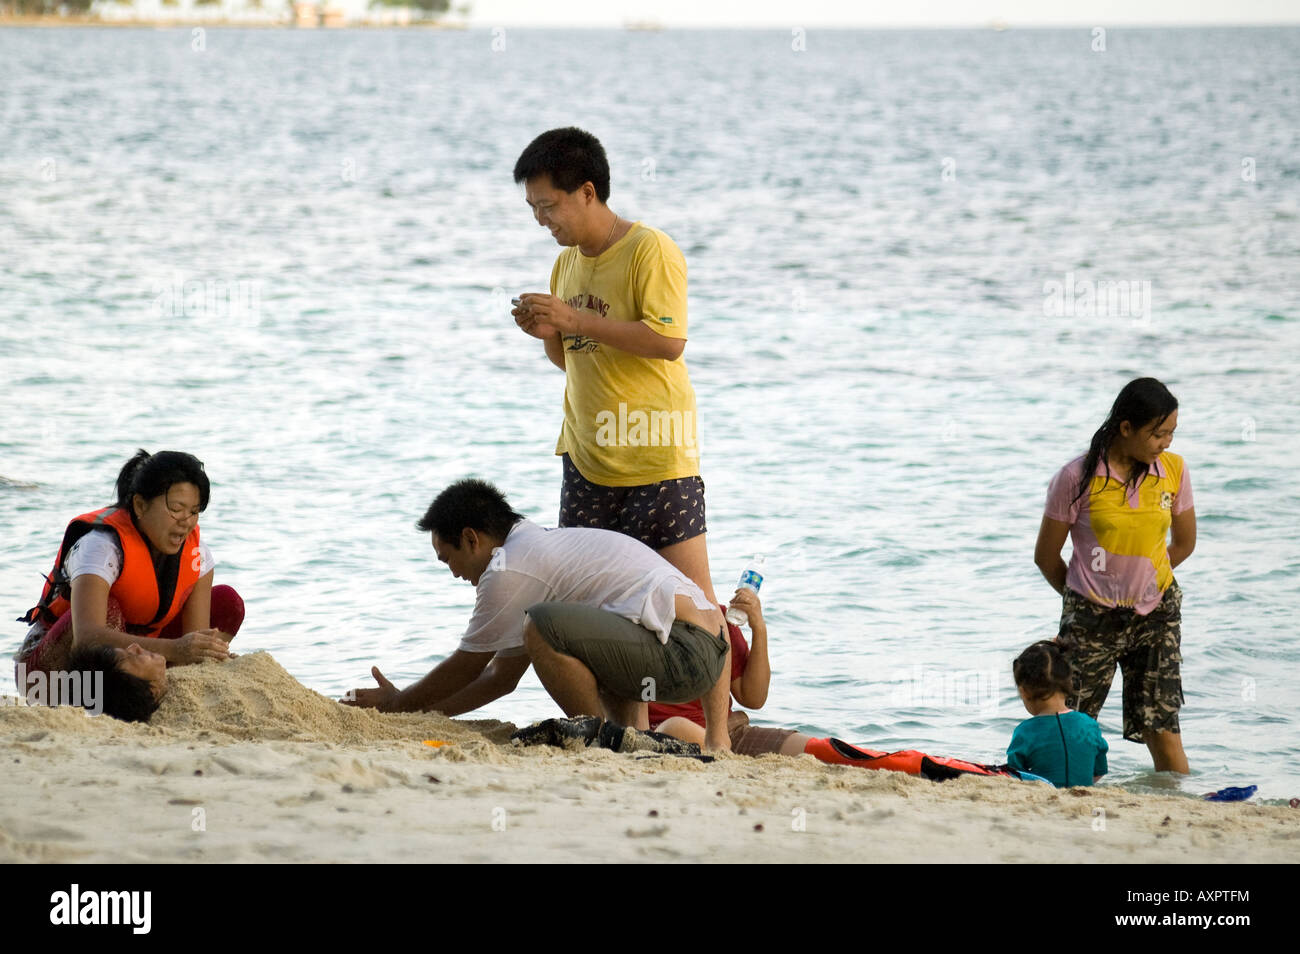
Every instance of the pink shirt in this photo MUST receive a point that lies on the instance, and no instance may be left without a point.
(1121, 537)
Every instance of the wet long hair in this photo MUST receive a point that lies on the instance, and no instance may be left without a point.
(151, 475)
(1142, 402)
(1042, 671)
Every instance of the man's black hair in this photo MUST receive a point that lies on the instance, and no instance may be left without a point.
(570, 156)
(469, 503)
(126, 697)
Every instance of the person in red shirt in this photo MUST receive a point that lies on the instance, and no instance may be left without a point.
(751, 674)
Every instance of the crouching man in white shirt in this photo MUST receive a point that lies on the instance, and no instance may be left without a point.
(608, 623)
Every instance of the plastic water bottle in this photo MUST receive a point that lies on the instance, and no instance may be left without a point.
(750, 579)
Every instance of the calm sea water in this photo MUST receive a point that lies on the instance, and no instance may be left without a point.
(292, 254)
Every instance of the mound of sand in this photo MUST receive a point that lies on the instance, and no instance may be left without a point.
(252, 697)
(20, 722)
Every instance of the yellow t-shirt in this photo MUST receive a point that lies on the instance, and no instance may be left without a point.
(627, 420)
(1120, 534)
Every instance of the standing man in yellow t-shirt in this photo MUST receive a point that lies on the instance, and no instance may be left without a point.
(615, 323)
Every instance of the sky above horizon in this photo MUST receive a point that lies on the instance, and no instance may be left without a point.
(826, 13)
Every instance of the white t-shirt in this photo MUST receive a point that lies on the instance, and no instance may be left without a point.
(98, 553)
(573, 565)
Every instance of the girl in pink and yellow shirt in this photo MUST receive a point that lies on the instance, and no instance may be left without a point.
(1119, 504)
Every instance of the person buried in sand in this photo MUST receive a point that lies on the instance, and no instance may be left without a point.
(131, 590)
(606, 621)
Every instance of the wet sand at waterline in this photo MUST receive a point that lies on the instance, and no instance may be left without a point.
(242, 763)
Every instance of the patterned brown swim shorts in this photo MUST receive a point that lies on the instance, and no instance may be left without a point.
(658, 515)
(1097, 638)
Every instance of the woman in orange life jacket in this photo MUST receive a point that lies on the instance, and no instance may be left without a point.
(131, 591)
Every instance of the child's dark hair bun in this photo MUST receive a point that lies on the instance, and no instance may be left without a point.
(1042, 670)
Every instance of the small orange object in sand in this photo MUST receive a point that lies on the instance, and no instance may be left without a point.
(437, 743)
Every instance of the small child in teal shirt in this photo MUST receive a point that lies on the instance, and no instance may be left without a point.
(1063, 746)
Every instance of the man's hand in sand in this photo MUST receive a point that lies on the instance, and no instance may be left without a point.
(200, 645)
(384, 698)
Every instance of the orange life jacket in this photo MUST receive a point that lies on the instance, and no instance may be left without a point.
(937, 768)
(150, 595)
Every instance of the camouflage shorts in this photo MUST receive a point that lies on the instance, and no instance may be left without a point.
(1146, 648)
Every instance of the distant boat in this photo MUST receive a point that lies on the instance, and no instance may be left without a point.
(999, 25)
(643, 26)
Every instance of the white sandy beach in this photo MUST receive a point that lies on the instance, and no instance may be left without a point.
(242, 763)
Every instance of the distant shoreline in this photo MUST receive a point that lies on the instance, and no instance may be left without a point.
(88, 21)
(52, 20)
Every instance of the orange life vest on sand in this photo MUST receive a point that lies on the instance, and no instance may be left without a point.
(151, 595)
(937, 768)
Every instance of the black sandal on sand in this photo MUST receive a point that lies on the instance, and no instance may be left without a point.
(588, 731)
(622, 739)
(578, 732)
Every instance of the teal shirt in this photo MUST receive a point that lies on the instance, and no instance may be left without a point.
(1046, 744)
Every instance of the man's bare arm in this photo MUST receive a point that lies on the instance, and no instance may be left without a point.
(539, 314)
(445, 679)
(630, 336)
(498, 679)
